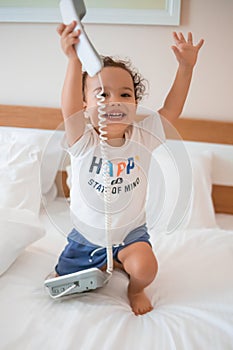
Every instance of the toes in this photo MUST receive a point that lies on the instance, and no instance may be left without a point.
(142, 311)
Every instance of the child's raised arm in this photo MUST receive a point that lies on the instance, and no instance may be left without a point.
(186, 54)
(72, 99)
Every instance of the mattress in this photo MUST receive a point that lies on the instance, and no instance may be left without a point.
(192, 296)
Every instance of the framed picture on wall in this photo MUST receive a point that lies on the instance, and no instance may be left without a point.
(138, 12)
(146, 12)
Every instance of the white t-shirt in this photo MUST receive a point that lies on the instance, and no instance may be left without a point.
(128, 169)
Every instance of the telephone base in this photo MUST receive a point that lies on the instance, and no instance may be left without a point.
(77, 282)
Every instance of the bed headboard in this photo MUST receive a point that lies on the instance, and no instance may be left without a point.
(190, 129)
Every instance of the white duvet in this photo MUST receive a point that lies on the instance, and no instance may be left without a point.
(192, 297)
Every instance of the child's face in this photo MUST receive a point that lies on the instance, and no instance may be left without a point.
(119, 96)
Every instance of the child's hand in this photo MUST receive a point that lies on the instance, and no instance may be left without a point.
(69, 38)
(185, 52)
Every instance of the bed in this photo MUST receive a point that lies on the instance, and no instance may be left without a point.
(192, 294)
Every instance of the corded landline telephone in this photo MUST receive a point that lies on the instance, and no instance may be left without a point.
(93, 278)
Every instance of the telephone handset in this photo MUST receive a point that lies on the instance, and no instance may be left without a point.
(75, 10)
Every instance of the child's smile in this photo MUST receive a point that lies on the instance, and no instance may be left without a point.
(115, 115)
(119, 100)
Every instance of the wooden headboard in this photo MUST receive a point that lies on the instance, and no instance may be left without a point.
(189, 129)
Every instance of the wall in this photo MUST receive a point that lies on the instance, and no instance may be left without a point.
(32, 65)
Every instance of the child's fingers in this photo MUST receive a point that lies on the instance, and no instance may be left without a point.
(190, 38)
(199, 45)
(175, 37)
(175, 50)
(69, 28)
(75, 33)
(61, 28)
(181, 37)
(74, 41)
(73, 37)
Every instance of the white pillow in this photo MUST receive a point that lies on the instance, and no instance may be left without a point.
(179, 193)
(19, 176)
(49, 144)
(202, 214)
(18, 229)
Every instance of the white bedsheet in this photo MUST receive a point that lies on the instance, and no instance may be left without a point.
(192, 297)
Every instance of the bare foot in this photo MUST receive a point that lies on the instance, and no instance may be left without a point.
(139, 303)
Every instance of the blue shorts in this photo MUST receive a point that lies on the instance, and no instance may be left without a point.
(80, 254)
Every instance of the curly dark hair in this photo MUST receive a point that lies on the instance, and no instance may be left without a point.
(138, 81)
